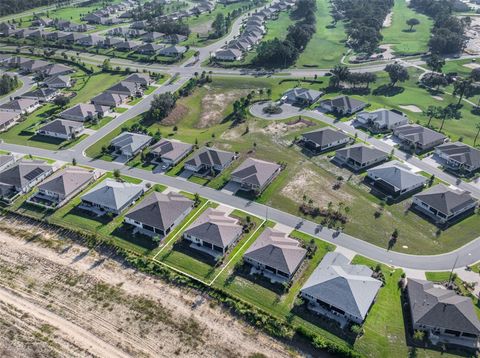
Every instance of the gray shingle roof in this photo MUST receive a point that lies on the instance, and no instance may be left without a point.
(6, 117)
(113, 98)
(57, 80)
(19, 104)
(344, 102)
(40, 92)
(5, 159)
(130, 141)
(112, 194)
(139, 78)
(347, 287)
(277, 250)
(255, 171)
(67, 181)
(83, 110)
(397, 175)
(160, 210)
(170, 149)
(303, 93)
(61, 126)
(438, 307)
(324, 136)
(445, 199)
(362, 154)
(215, 227)
(461, 153)
(24, 172)
(384, 117)
(210, 157)
(418, 134)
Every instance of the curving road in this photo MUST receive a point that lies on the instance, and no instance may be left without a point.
(27, 84)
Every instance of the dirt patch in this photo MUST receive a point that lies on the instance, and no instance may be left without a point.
(282, 128)
(388, 20)
(472, 65)
(411, 108)
(58, 298)
(214, 105)
(178, 113)
(315, 187)
(388, 52)
(203, 28)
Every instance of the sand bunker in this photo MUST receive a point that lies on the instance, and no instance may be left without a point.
(472, 65)
(388, 20)
(411, 108)
(438, 98)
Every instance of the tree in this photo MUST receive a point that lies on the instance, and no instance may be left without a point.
(435, 63)
(418, 336)
(74, 162)
(475, 74)
(61, 101)
(219, 25)
(412, 22)
(462, 88)
(397, 73)
(434, 80)
(476, 135)
(161, 106)
(116, 174)
(449, 112)
(339, 74)
(432, 112)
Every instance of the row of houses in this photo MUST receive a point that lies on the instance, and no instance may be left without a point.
(458, 158)
(252, 31)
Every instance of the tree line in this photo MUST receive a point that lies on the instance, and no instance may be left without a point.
(284, 53)
(448, 30)
(363, 21)
(9, 7)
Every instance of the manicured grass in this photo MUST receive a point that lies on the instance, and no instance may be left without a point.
(103, 121)
(123, 109)
(326, 47)
(278, 28)
(88, 86)
(403, 41)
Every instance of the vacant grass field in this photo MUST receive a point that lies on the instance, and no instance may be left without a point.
(326, 47)
(403, 41)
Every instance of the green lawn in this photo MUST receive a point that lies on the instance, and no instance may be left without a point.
(405, 42)
(278, 28)
(326, 47)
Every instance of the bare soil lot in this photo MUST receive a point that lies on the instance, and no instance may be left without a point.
(58, 298)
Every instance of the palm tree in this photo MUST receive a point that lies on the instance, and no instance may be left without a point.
(449, 112)
(478, 133)
(431, 112)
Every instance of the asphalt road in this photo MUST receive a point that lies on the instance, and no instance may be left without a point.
(27, 84)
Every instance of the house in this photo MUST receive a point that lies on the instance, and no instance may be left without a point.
(173, 38)
(127, 45)
(152, 36)
(112, 42)
(239, 44)
(359, 157)
(301, 96)
(173, 51)
(139, 25)
(33, 66)
(158, 214)
(395, 179)
(208, 159)
(58, 82)
(148, 49)
(6, 160)
(459, 157)
(111, 196)
(21, 105)
(228, 54)
(62, 128)
(7, 29)
(108, 99)
(72, 37)
(91, 40)
(62, 186)
(418, 138)
(213, 232)
(84, 112)
(341, 291)
(343, 105)
(93, 18)
(55, 69)
(140, 79)
(324, 139)
(129, 144)
(275, 255)
(21, 177)
(381, 120)
(170, 152)
(8, 119)
(444, 205)
(56, 35)
(42, 94)
(255, 175)
(443, 315)
(127, 89)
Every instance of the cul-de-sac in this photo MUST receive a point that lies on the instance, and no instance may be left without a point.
(240, 178)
